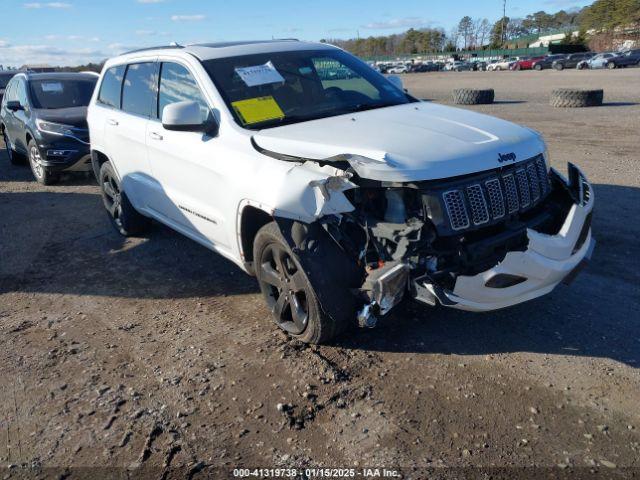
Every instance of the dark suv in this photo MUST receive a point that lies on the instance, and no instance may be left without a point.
(571, 61)
(44, 117)
(626, 59)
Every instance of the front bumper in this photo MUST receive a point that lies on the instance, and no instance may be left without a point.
(525, 275)
(67, 154)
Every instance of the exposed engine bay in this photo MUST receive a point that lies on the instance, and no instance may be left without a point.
(435, 239)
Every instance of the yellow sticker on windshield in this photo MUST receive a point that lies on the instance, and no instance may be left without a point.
(256, 110)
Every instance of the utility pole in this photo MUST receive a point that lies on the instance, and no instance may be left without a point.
(504, 14)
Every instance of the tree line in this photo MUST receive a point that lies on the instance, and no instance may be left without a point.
(480, 33)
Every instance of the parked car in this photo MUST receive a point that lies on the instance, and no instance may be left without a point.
(43, 117)
(457, 66)
(491, 65)
(571, 61)
(398, 69)
(329, 197)
(526, 63)
(626, 59)
(479, 66)
(547, 61)
(5, 76)
(504, 64)
(598, 61)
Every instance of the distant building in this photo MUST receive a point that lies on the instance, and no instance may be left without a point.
(38, 68)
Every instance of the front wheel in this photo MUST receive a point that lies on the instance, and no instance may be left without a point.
(537, 67)
(287, 290)
(14, 157)
(124, 218)
(559, 66)
(41, 173)
(611, 65)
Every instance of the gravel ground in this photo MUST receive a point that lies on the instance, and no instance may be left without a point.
(154, 353)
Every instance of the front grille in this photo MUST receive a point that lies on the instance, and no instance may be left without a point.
(456, 209)
(491, 197)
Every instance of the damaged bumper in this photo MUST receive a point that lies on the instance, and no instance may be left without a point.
(525, 275)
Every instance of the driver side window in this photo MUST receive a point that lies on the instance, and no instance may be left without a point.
(335, 75)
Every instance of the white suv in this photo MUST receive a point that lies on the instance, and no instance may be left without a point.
(336, 189)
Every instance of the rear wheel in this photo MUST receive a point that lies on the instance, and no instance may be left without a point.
(537, 66)
(41, 173)
(124, 218)
(287, 290)
(559, 66)
(611, 65)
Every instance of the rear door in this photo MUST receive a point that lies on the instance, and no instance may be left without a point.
(126, 128)
(192, 182)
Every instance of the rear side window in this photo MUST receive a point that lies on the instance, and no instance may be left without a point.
(178, 85)
(111, 87)
(139, 90)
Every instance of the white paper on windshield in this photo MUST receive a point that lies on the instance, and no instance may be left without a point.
(260, 75)
(52, 87)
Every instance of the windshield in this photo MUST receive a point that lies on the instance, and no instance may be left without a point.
(273, 89)
(4, 79)
(52, 94)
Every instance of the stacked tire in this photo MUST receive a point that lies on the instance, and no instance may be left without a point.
(576, 98)
(472, 96)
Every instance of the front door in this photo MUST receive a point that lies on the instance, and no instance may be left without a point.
(189, 169)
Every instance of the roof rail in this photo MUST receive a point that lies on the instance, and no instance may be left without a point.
(161, 47)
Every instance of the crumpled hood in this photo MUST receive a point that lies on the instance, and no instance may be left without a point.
(416, 141)
(74, 116)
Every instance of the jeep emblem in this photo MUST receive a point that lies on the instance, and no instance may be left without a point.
(507, 157)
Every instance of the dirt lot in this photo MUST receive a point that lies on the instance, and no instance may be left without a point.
(156, 353)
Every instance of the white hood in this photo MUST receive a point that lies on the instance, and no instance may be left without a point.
(416, 141)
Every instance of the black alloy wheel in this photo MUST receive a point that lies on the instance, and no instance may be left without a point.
(112, 198)
(285, 288)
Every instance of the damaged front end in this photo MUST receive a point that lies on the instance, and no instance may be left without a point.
(477, 242)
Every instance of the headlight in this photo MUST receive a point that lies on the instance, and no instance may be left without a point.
(54, 128)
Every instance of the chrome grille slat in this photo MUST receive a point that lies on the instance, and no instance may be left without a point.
(513, 204)
(478, 204)
(457, 210)
(496, 200)
(534, 183)
(542, 175)
(523, 187)
(508, 191)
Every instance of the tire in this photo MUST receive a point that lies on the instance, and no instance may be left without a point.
(471, 96)
(572, 98)
(582, 66)
(537, 66)
(559, 66)
(611, 66)
(286, 289)
(124, 218)
(14, 157)
(42, 174)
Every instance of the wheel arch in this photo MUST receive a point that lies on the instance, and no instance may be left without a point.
(97, 159)
(251, 218)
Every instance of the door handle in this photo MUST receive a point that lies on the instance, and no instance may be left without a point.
(113, 122)
(155, 136)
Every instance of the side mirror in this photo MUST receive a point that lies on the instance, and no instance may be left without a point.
(187, 117)
(14, 106)
(396, 81)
